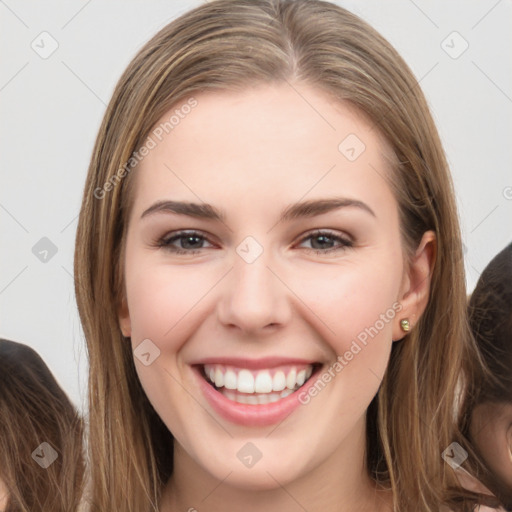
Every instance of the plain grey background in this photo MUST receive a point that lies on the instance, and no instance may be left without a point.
(60, 62)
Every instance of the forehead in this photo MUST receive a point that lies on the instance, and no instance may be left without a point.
(265, 142)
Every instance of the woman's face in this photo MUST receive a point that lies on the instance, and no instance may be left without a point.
(252, 295)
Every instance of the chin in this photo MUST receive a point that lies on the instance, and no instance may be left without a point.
(258, 479)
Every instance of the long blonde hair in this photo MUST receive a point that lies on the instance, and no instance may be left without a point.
(231, 45)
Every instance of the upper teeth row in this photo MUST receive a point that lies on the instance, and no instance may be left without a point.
(246, 381)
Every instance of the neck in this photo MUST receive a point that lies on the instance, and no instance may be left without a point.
(339, 483)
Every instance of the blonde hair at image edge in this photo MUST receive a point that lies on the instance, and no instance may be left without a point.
(231, 45)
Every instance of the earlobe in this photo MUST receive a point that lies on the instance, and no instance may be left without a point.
(124, 319)
(415, 290)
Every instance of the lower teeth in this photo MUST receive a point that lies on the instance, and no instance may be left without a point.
(255, 398)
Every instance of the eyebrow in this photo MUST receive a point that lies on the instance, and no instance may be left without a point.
(294, 211)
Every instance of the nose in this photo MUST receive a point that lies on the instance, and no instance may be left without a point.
(254, 299)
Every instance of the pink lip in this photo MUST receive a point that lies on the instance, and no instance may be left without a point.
(247, 414)
(253, 364)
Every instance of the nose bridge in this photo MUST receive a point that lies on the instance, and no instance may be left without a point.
(253, 296)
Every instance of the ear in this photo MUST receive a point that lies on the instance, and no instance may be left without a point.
(415, 288)
(124, 319)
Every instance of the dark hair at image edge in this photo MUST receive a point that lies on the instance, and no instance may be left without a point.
(34, 409)
(490, 319)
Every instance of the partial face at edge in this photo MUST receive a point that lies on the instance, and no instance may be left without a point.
(491, 430)
(252, 287)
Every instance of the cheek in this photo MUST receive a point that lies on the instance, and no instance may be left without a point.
(355, 309)
(345, 302)
(162, 301)
(355, 302)
(161, 297)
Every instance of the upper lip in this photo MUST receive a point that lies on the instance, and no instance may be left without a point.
(254, 364)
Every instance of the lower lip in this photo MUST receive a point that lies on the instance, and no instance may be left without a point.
(260, 415)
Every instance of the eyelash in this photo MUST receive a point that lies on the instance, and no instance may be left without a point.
(167, 241)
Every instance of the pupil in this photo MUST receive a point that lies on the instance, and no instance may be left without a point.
(187, 239)
(321, 237)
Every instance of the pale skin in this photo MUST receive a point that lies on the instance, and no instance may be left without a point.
(251, 154)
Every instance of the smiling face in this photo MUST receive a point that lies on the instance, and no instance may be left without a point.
(258, 292)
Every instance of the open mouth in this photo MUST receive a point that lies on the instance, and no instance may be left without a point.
(257, 387)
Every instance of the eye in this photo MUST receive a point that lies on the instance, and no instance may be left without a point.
(324, 240)
(189, 242)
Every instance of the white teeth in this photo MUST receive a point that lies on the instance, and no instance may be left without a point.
(230, 380)
(229, 394)
(219, 378)
(263, 383)
(252, 399)
(260, 399)
(245, 381)
(241, 399)
(268, 398)
(291, 378)
(279, 381)
(259, 382)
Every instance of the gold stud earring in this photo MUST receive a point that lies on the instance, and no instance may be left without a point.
(405, 325)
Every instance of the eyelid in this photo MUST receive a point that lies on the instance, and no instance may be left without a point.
(345, 239)
(329, 232)
(165, 241)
